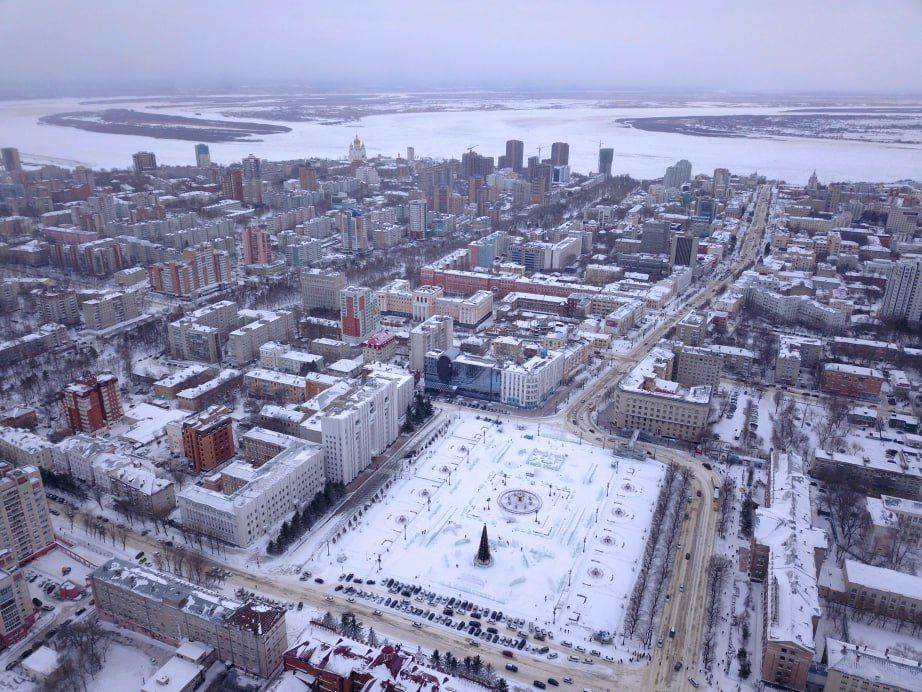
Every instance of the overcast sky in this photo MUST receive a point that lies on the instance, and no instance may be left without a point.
(737, 45)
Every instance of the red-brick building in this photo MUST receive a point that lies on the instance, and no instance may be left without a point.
(851, 380)
(92, 403)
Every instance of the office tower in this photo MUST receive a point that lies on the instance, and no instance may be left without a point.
(606, 156)
(321, 289)
(721, 187)
(411, 154)
(515, 151)
(684, 251)
(359, 316)
(903, 295)
(307, 177)
(654, 237)
(144, 161)
(92, 403)
(232, 184)
(560, 154)
(208, 438)
(202, 156)
(11, 160)
(251, 167)
(25, 527)
(417, 213)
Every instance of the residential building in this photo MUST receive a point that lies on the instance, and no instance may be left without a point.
(272, 385)
(560, 154)
(795, 353)
(249, 635)
(286, 359)
(199, 270)
(851, 380)
(697, 365)
(59, 307)
(143, 489)
(903, 296)
(23, 448)
(379, 348)
(417, 217)
(321, 289)
(359, 315)
(215, 390)
(110, 309)
(25, 525)
(243, 502)
(92, 403)
(257, 248)
(692, 329)
(648, 398)
(17, 612)
(260, 327)
(515, 152)
(202, 156)
(259, 445)
(208, 438)
(190, 376)
(874, 474)
(606, 157)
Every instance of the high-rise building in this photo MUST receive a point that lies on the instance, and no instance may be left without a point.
(202, 156)
(25, 527)
(515, 152)
(359, 316)
(111, 308)
(252, 167)
(474, 165)
(606, 157)
(721, 186)
(208, 438)
(200, 268)
(307, 177)
(59, 307)
(352, 232)
(19, 613)
(417, 212)
(677, 174)
(560, 154)
(321, 289)
(144, 162)
(11, 160)
(411, 154)
(232, 184)
(256, 246)
(684, 251)
(903, 295)
(92, 403)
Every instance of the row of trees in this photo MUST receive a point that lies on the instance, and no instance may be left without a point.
(304, 519)
(82, 648)
(718, 568)
(649, 588)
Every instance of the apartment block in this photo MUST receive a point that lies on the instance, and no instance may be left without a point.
(249, 635)
(851, 380)
(92, 403)
(140, 486)
(260, 327)
(23, 448)
(879, 590)
(110, 309)
(59, 307)
(25, 525)
(275, 386)
(853, 667)
(321, 289)
(695, 365)
(17, 612)
(208, 438)
(359, 315)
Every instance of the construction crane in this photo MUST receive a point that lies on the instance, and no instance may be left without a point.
(472, 147)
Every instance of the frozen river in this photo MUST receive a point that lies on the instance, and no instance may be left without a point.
(447, 134)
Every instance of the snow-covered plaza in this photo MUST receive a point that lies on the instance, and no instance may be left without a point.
(566, 524)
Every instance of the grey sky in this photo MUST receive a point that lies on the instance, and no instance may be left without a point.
(740, 45)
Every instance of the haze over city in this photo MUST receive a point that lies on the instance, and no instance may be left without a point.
(745, 47)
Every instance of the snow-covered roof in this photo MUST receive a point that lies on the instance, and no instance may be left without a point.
(646, 378)
(879, 667)
(784, 525)
(883, 579)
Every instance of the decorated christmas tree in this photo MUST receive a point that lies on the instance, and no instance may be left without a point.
(483, 552)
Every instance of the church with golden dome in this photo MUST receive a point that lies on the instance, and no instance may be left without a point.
(356, 150)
